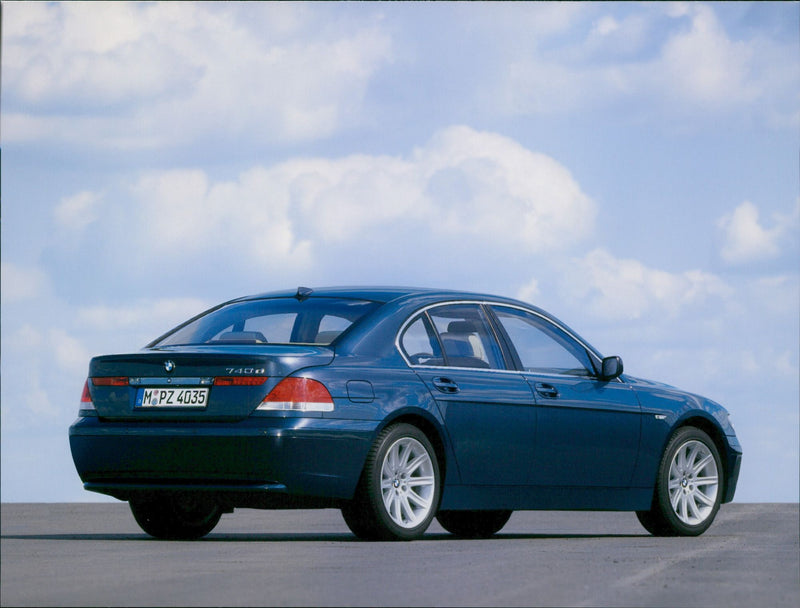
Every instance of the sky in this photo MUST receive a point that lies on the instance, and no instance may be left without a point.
(630, 167)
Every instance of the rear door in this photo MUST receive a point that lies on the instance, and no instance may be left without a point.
(587, 431)
(488, 410)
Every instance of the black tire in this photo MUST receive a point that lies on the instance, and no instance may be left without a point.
(400, 487)
(473, 524)
(359, 521)
(654, 523)
(183, 517)
(689, 486)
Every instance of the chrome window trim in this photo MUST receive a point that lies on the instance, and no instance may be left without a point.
(589, 350)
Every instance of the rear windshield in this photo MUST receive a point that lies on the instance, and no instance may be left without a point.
(273, 321)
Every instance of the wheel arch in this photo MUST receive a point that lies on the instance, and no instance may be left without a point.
(432, 431)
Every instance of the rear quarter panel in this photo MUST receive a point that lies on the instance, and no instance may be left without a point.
(385, 393)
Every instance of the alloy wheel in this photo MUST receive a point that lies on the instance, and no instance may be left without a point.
(407, 482)
(693, 482)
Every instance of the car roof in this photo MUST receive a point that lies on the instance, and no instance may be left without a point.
(373, 293)
(402, 296)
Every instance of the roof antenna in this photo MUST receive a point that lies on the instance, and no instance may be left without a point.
(303, 293)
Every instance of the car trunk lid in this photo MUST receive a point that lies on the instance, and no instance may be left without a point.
(197, 383)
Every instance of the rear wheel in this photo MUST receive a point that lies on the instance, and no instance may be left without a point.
(179, 517)
(473, 524)
(399, 490)
(688, 487)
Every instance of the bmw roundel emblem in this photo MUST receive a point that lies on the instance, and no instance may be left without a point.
(169, 365)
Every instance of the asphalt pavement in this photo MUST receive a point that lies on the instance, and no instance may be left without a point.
(95, 555)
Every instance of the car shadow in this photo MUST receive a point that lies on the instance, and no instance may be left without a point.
(283, 537)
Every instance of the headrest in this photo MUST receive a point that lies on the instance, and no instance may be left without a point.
(462, 327)
(242, 337)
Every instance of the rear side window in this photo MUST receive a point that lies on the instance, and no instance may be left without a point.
(420, 345)
(454, 335)
(466, 336)
(272, 321)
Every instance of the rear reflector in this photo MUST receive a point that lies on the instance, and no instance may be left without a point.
(239, 380)
(86, 407)
(298, 394)
(113, 381)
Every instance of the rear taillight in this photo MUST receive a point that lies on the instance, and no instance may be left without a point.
(239, 380)
(298, 394)
(87, 405)
(86, 397)
(111, 381)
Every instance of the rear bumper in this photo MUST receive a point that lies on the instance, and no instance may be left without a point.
(279, 459)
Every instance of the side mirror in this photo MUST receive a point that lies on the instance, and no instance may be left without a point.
(611, 368)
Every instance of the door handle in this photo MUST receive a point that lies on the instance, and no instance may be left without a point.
(445, 385)
(546, 390)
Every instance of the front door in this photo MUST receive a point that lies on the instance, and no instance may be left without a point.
(587, 430)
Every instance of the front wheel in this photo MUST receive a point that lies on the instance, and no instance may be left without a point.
(180, 517)
(400, 487)
(473, 524)
(688, 487)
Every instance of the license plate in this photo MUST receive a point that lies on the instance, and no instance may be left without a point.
(172, 397)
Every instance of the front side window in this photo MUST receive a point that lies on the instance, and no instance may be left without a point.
(271, 321)
(541, 346)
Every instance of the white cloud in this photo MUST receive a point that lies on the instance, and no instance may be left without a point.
(529, 292)
(76, 212)
(461, 186)
(489, 185)
(140, 76)
(747, 240)
(91, 55)
(70, 354)
(626, 289)
(605, 25)
(183, 213)
(167, 72)
(461, 183)
(704, 66)
(618, 40)
(698, 66)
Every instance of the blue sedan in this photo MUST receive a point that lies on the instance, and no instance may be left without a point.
(396, 406)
